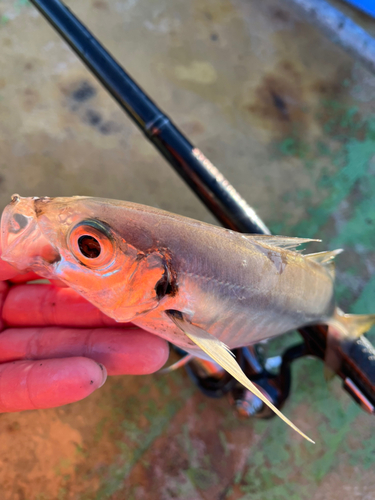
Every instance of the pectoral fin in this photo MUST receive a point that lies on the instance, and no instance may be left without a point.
(220, 353)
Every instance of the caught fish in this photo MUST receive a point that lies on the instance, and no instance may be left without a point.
(204, 288)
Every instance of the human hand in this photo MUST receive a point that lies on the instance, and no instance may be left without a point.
(57, 348)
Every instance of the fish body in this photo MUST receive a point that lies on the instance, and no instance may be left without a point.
(202, 287)
(237, 287)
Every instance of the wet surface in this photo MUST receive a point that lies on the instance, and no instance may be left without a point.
(289, 119)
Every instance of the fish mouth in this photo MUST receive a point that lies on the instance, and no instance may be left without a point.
(23, 243)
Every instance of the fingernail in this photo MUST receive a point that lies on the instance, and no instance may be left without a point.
(104, 374)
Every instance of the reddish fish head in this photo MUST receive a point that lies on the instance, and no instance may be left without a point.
(66, 239)
(23, 243)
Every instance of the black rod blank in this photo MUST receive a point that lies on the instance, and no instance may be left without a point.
(203, 177)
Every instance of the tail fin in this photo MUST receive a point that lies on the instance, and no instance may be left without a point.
(344, 327)
(352, 325)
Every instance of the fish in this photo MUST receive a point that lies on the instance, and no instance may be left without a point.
(204, 288)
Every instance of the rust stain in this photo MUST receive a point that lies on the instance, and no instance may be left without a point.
(333, 87)
(193, 128)
(78, 92)
(279, 102)
(280, 14)
(217, 11)
(100, 4)
(289, 100)
(80, 97)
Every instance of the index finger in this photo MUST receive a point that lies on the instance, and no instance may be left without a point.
(7, 271)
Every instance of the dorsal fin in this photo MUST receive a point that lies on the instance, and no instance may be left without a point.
(286, 242)
(326, 259)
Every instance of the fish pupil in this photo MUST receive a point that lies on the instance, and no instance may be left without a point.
(89, 246)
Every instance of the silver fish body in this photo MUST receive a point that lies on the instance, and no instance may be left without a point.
(239, 288)
(234, 286)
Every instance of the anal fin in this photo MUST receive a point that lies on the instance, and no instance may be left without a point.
(220, 353)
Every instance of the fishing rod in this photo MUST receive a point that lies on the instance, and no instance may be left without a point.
(358, 357)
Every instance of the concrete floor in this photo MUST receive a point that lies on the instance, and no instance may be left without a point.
(290, 121)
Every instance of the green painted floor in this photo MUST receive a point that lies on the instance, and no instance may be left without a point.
(290, 120)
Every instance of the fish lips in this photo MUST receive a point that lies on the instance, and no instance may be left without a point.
(23, 243)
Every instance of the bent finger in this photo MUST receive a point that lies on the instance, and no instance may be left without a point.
(29, 385)
(24, 277)
(40, 305)
(122, 351)
(7, 271)
(4, 288)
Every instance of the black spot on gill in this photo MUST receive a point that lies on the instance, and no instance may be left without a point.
(167, 285)
(163, 286)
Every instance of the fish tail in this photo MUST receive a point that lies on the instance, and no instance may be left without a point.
(352, 325)
(344, 327)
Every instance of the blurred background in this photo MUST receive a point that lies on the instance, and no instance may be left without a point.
(289, 119)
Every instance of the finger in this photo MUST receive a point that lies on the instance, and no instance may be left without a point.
(29, 385)
(33, 277)
(121, 351)
(3, 294)
(39, 305)
(7, 271)
(24, 277)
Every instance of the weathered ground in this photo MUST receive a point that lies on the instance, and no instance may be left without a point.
(290, 120)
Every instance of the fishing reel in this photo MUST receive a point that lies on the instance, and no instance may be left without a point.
(273, 375)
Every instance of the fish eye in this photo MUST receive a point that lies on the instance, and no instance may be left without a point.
(89, 246)
(91, 243)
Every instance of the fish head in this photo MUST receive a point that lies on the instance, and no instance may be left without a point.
(66, 239)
